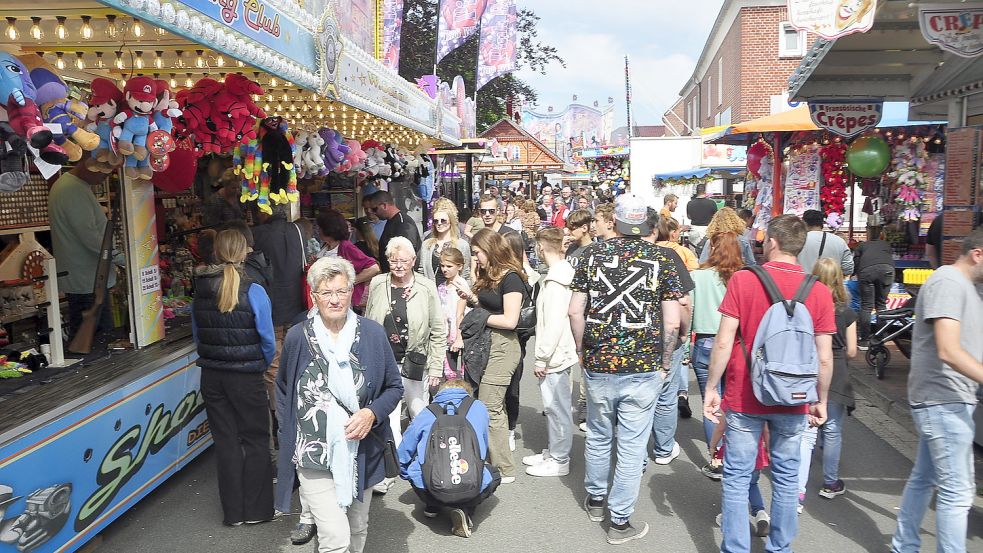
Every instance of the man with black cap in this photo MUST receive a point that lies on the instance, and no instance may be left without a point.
(625, 316)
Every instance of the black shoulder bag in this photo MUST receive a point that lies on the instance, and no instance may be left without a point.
(388, 446)
(414, 365)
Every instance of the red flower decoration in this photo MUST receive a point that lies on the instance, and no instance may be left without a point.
(833, 192)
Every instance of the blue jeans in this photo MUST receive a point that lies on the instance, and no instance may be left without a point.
(682, 377)
(627, 401)
(701, 366)
(665, 419)
(742, 435)
(832, 433)
(944, 462)
(754, 494)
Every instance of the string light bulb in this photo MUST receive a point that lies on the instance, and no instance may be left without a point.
(160, 31)
(60, 31)
(219, 61)
(79, 61)
(137, 28)
(119, 60)
(180, 59)
(138, 62)
(12, 33)
(35, 31)
(99, 63)
(86, 27)
(240, 64)
(60, 62)
(188, 82)
(112, 29)
(158, 60)
(273, 82)
(200, 60)
(173, 81)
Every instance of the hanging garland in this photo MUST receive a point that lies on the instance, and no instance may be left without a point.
(833, 192)
(909, 178)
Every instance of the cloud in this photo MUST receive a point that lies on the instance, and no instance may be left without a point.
(662, 39)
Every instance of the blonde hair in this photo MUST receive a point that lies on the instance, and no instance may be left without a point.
(726, 220)
(829, 273)
(457, 383)
(230, 250)
(445, 206)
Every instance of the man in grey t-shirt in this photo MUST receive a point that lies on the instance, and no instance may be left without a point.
(946, 371)
(823, 244)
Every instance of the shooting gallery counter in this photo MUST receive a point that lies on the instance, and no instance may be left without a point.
(77, 452)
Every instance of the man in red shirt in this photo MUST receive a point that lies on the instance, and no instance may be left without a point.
(743, 307)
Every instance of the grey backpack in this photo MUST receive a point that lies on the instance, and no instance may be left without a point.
(783, 362)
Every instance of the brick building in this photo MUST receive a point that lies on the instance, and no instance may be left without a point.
(743, 71)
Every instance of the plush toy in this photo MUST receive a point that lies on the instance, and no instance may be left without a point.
(17, 95)
(300, 139)
(197, 110)
(396, 163)
(13, 159)
(52, 98)
(267, 165)
(334, 150)
(104, 104)
(133, 126)
(167, 108)
(354, 159)
(312, 155)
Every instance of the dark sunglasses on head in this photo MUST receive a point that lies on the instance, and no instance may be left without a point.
(488, 211)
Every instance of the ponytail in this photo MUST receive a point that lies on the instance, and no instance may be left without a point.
(230, 249)
(228, 293)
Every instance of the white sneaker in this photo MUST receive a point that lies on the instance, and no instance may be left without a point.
(549, 467)
(531, 460)
(382, 488)
(761, 523)
(508, 479)
(512, 440)
(583, 426)
(672, 455)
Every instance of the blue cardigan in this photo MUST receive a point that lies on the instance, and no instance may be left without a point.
(384, 390)
(413, 449)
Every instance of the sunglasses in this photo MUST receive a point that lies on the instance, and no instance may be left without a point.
(488, 211)
(440, 221)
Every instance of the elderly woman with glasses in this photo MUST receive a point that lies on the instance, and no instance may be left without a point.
(445, 234)
(406, 304)
(338, 382)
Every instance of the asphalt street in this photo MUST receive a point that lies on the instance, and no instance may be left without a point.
(545, 515)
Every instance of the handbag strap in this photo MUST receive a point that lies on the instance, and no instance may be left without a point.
(822, 246)
(303, 247)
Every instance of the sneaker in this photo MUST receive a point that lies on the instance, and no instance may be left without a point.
(683, 405)
(863, 345)
(430, 511)
(507, 479)
(512, 440)
(583, 426)
(713, 471)
(719, 520)
(460, 526)
(833, 489)
(802, 500)
(626, 533)
(382, 488)
(594, 508)
(549, 467)
(761, 523)
(672, 455)
(302, 533)
(532, 460)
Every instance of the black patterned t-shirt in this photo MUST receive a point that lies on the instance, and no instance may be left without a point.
(626, 280)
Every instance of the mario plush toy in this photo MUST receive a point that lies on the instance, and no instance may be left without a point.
(104, 104)
(133, 126)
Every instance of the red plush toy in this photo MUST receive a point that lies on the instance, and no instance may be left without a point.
(235, 101)
(833, 192)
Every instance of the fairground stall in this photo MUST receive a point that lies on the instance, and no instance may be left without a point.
(928, 54)
(286, 96)
(609, 167)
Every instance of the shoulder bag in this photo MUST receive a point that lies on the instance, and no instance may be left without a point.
(414, 363)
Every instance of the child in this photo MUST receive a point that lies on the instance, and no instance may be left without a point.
(556, 355)
(760, 519)
(413, 451)
(451, 265)
(840, 391)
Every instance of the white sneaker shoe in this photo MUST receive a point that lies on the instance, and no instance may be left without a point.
(512, 440)
(508, 479)
(549, 467)
(672, 455)
(382, 488)
(761, 523)
(583, 427)
(532, 460)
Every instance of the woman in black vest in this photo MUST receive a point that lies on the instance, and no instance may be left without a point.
(233, 327)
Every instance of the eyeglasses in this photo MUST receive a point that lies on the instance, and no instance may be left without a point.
(491, 211)
(393, 262)
(440, 221)
(332, 294)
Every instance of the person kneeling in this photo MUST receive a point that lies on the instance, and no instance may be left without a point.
(455, 474)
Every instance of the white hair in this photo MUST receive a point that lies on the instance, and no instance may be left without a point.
(327, 268)
(400, 244)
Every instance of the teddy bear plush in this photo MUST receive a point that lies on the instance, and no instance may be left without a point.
(104, 103)
(313, 160)
(17, 96)
(133, 126)
(334, 150)
(52, 97)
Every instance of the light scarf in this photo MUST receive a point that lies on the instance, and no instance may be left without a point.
(342, 452)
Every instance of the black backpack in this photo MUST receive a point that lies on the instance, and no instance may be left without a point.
(453, 468)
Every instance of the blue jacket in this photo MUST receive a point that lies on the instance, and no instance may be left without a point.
(385, 389)
(413, 449)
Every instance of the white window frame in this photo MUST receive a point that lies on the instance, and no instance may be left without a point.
(784, 52)
(720, 81)
(709, 95)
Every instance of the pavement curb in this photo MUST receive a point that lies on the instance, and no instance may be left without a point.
(898, 411)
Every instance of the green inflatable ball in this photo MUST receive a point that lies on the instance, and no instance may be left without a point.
(868, 156)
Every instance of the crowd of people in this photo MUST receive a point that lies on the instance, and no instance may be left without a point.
(403, 357)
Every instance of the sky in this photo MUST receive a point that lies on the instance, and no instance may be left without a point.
(662, 38)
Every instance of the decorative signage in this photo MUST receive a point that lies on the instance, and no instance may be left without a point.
(329, 47)
(956, 28)
(149, 279)
(832, 19)
(847, 119)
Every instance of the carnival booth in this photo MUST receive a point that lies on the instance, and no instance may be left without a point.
(161, 96)
(609, 168)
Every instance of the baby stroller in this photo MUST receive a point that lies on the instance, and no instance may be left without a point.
(893, 325)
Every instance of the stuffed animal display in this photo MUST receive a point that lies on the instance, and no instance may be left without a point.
(133, 126)
(219, 116)
(57, 108)
(18, 96)
(104, 103)
(611, 173)
(266, 165)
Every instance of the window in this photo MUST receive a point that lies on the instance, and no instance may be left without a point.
(709, 96)
(720, 81)
(791, 41)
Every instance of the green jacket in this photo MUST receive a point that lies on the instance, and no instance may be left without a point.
(77, 227)
(427, 329)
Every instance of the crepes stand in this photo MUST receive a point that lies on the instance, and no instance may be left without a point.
(82, 439)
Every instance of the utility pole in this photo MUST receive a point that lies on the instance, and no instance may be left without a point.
(628, 95)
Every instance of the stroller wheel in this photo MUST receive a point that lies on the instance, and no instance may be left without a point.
(878, 357)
